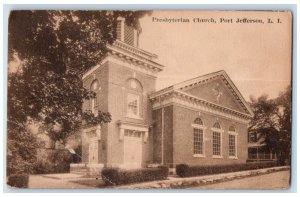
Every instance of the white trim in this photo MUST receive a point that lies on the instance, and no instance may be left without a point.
(131, 127)
(208, 102)
(140, 64)
(135, 38)
(122, 30)
(131, 97)
(124, 126)
(217, 130)
(217, 157)
(214, 75)
(203, 128)
(199, 155)
(236, 144)
(199, 126)
(221, 143)
(232, 133)
(170, 98)
(227, 117)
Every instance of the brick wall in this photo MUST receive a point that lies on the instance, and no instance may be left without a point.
(167, 136)
(101, 74)
(183, 138)
(117, 94)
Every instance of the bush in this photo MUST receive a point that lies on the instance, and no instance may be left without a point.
(56, 161)
(115, 176)
(181, 170)
(184, 170)
(18, 180)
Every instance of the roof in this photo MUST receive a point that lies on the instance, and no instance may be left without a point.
(202, 79)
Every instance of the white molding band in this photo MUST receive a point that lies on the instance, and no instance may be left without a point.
(217, 130)
(197, 126)
(175, 97)
(232, 133)
(123, 126)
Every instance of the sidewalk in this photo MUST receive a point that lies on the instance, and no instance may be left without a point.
(70, 180)
(64, 181)
(179, 183)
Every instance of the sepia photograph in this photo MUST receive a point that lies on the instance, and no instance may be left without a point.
(149, 99)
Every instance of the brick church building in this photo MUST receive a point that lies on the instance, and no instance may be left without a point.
(201, 121)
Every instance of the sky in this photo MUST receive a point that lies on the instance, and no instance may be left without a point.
(256, 56)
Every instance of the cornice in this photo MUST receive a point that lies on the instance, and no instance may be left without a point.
(135, 55)
(179, 97)
(203, 79)
(129, 56)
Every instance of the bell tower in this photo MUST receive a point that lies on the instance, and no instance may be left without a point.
(127, 34)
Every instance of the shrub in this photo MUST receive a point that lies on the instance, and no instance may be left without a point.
(181, 170)
(184, 170)
(56, 161)
(18, 180)
(115, 176)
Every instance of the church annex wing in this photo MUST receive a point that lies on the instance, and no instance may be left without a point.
(206, 92)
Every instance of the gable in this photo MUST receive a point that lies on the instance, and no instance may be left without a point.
(216, 90)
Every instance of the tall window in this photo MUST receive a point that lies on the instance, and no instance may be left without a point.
(232, 145)
(217, 139)
(232, 141)
(94, 101)
(132, 105)
(198, 137)
(217, 143)
(134, 98)
(198, 141)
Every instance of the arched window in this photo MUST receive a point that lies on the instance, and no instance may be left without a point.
(198, 121)
(217, 125)
(232, 128)
(134, 98)
(198, 136)
(232, 142)
(94, 101)
(217, 140)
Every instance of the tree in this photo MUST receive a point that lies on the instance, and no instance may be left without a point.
(272, 122)
(284, 102)
(55, 48)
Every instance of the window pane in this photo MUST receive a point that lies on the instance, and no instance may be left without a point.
(198, 121)
(133, 104)
(217, 125)
(198, 141)
(216, 143)
(232, 145)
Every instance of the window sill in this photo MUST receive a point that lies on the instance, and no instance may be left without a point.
(198, 155)
(217, 157)
(232, 157)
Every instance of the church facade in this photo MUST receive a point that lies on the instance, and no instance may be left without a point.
(202, 121)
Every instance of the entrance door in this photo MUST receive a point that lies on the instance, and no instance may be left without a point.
(93, 151)
(132, 149)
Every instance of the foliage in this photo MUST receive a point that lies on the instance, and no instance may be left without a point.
(18, 180)
(57, 161)
(184, 170)
(54, 48)
(115, 176)
(272, 122)
(21, 150)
